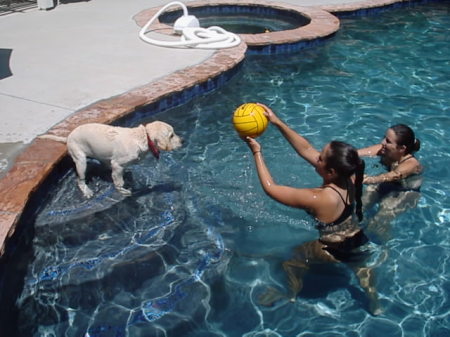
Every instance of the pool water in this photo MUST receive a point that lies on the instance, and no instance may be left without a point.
(246, 24)
(191, 250)
(241, 19)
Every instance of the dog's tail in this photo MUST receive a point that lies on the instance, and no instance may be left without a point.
(55, 138)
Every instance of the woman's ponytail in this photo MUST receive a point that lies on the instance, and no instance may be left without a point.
(359, 176)
(345, 160)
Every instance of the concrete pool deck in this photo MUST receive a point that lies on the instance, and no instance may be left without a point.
(84, 62)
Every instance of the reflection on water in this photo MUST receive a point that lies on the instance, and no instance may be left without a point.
(190, 252)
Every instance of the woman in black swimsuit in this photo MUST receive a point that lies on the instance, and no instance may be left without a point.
(332, 205)
(397, 189)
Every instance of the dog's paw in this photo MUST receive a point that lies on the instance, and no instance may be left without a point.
(124, 191)
(88, 193)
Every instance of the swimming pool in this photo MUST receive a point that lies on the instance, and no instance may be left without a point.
(191, 250)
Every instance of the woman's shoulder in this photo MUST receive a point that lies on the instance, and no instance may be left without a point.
(330, 202)
(418, 165)
(412, 165)
(324, 196)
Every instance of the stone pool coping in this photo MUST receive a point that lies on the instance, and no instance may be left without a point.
(37, 161)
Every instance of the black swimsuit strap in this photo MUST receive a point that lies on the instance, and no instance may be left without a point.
(348, 211)
(405, 159)
(340, 195)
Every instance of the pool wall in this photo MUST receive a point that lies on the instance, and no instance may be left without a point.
(36, 163)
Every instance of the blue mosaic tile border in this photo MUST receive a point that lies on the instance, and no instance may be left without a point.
(380, 10)
(286, 48)
(175, 99)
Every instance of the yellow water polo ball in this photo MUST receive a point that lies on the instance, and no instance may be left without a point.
(249, 120)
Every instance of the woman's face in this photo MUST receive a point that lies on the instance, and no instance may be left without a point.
(389, 146)
(322, 161)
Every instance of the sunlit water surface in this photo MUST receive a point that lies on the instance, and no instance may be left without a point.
(191, 250)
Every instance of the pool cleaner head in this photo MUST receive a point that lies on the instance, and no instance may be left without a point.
(185, 21)
(192, 35)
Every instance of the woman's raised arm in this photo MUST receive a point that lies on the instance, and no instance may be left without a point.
(300, 144)
(370, 151)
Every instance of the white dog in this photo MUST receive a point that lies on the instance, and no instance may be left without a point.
(116, 146)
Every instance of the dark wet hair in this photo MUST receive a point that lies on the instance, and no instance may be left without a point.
(405, 136)
(345, 160)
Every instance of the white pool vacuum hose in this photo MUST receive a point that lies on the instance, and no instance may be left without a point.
(192, 35)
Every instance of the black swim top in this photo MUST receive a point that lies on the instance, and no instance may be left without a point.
(348, 211)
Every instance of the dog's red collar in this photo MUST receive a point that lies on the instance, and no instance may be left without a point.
(152, 147)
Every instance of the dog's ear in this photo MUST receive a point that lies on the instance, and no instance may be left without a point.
(158, 138)
(156, 141)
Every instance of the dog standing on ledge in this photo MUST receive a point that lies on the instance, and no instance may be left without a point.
(116, 146)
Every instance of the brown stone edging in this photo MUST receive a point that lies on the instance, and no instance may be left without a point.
(322, 22)
(355, 6)
(36, 162)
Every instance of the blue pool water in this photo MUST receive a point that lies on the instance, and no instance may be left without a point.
(191, 250)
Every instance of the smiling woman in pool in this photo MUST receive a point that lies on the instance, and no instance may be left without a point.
(398, 189)
(397, 154)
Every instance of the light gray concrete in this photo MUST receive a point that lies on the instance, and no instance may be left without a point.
(71, 56)
(74, 55)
